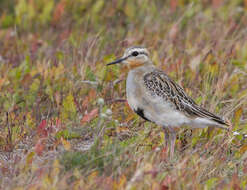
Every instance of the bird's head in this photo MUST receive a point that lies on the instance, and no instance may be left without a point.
(134, 57)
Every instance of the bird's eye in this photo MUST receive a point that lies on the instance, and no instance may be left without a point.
(134, 53)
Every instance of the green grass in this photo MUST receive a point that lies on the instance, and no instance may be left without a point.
(64, 121)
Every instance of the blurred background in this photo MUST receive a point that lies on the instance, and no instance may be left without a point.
(64, 121)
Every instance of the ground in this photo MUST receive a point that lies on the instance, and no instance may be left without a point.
(64, 119)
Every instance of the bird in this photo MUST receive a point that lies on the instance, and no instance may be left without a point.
(155, 97)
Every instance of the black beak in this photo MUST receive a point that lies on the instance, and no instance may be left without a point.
(117, 61)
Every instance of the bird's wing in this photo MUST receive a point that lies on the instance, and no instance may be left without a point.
(160, 84)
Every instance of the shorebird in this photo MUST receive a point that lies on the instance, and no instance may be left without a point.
(155, 97)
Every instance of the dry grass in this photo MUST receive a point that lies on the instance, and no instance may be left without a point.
(64, 121)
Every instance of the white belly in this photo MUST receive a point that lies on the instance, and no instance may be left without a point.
(156, 109)
(131, 87)
(164, 114)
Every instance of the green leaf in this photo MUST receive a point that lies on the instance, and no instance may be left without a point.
(69, 108)
(7, 21)
(90, 74)
(60, 55)
(210, 184)
(97, 6)
(130, 9)
(35, 86)
(238, 63)
(45, 16)
(66, 134)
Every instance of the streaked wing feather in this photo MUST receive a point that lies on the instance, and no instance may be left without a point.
(161, 85)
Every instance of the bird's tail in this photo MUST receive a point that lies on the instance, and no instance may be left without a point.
(223, 124)
(216, 121)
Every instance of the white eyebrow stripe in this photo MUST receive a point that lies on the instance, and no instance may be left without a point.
(136, 49)
(140, 51)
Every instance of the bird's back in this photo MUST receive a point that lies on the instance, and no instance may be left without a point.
(159, 99)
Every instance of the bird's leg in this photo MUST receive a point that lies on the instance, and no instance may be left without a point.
(172, 141)
(166, 131)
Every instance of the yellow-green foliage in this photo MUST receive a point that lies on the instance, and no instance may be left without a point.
(64, 121)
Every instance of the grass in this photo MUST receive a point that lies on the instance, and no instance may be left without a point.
(64, 121)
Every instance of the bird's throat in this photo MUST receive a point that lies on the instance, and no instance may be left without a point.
(134, 64)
